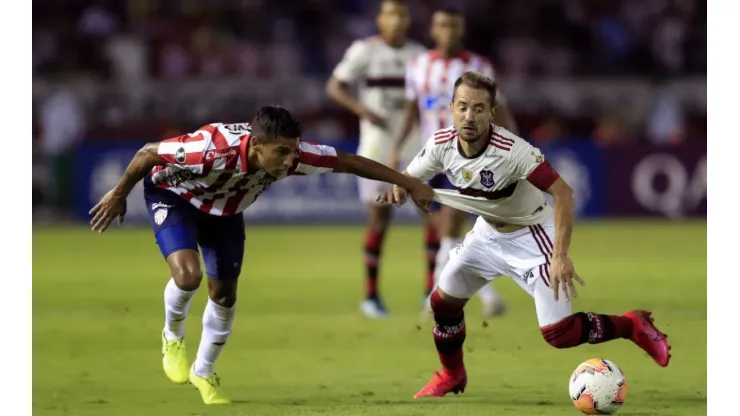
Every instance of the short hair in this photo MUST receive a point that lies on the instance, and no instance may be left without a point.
(478, 81)
(274, 122)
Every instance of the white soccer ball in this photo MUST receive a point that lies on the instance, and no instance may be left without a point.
(598, 386)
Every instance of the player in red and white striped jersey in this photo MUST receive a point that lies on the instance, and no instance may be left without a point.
(196, 186)
(429, 84)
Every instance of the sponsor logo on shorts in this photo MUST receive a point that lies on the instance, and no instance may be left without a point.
(160, 215)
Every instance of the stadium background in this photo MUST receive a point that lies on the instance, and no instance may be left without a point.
(614, 92)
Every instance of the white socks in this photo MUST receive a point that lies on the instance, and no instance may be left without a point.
(176, 305)
(217, 321)
(487, 292)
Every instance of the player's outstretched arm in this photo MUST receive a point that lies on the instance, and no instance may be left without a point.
(421, 193)
(113, 204)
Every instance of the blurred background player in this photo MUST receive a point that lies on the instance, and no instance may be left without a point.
(429, 84)
(377, 66)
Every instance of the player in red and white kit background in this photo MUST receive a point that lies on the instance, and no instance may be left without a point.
(377, 67)
(429, 83)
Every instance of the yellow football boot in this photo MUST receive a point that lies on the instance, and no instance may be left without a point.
(208, 387)
(175, 360)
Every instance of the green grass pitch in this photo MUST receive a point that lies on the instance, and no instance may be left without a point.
(300, 347)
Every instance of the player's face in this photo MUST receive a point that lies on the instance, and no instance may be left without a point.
(276, 156)
(471, 112)
(447, 29)
(393, 20)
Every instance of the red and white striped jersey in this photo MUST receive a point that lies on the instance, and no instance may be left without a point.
(430, 79)
(209, 168)
(504, 182)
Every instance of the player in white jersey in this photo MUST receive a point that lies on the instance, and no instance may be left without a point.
(429, 82)
(377, 66)
(501, 177)
(196, 187)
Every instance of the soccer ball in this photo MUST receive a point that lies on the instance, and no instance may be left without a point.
(598, 386)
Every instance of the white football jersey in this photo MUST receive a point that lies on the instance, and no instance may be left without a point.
(378, 70)
(503, 183)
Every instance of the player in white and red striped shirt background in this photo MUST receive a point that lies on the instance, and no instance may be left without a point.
(196, 187)
(429, 85)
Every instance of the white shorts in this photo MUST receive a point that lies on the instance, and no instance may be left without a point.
(524, 255)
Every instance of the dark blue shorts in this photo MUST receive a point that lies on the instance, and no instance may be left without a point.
(178, 226)
(439, 181)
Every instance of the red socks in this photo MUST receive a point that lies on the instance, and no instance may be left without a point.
(373, 245)
(432, 247)
(449, 332)
(586, 327)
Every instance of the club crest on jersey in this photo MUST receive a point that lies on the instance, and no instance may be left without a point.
(160, 215)
(180, 155)
(467, 175)
(486, 178)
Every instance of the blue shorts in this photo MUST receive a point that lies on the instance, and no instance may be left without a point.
(439, 181)
(178, 225)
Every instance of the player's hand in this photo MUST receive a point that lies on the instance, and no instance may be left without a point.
(397, 196)
(562, 274)
(423, 195)
(374, 118)
(111, 206)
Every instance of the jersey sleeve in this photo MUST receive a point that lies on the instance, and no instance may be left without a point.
(353, 65)
(427, 162)
(528, 162)
(186, 151)
(314, 158)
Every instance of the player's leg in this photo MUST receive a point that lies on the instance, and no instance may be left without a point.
(175, 230)
(378, 220)
(221, 241)
(469, 268)
(563, 329)
(431, 245)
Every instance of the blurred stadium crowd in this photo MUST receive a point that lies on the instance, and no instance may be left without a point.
(613, 71)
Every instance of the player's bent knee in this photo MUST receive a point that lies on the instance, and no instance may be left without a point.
(444, 304)
(222, 293)
(185, 269)
(566, 333)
